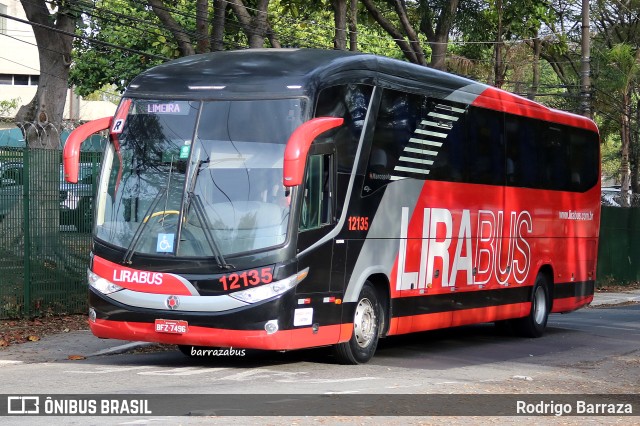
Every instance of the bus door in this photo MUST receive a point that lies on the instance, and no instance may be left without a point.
(317, 219)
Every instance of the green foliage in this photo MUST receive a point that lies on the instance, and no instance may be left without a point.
(300, 23)
(132, 26)
(8, 107)
(109, 93)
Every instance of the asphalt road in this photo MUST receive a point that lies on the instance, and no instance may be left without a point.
(588, 351)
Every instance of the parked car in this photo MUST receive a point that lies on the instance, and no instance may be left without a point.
(76, 199)
(610, 196)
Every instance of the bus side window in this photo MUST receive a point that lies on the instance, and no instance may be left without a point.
(555, 173)
(522, 154)
(350, 102)
(487, 162)
(583, 160)
(395, 126)
(316, 208)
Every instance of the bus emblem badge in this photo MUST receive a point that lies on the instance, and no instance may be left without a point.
(172, 302)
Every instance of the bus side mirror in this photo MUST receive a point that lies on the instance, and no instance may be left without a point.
(295, 154)
(71, 153)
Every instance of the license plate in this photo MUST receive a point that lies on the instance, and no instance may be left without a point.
(171, 326)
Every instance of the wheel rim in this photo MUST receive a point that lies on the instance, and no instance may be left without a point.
(364, 323)
(539, 305)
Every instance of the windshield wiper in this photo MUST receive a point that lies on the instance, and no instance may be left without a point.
(194, 199)
(202, 217)
(136, 236)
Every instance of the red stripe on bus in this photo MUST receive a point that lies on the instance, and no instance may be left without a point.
(425, 322)
(140, 280)
(218, 337)
(569, 304)
(499, 100)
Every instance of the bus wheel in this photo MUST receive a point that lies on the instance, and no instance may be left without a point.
(366, 329)
(533, 325)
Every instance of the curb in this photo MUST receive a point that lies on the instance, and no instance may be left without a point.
(608, 299)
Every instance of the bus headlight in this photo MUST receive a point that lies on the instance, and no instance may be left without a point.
(268, 291)
(104, 286)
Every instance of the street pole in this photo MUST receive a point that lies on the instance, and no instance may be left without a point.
(585, 83)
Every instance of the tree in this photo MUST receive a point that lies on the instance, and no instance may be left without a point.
(53, 30)
(340, 19)
(623, 73)
(256, 26)
(165, 30)
(402, 31)
(615, 47)
(437, 27)
(53, 24)
(123, 23)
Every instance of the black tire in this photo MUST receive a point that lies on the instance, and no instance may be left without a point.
(84, 215)
(367, 321)
(534, 324)
(503, 327)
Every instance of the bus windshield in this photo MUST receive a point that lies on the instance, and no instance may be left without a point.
(194, 178)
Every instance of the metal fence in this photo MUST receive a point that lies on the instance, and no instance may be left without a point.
(619, 246)
(45, 234)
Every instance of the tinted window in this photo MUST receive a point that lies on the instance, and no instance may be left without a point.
(522, 167)
(584, 159)
(445, 123)
(550, 156)
(485, 147)
(395, 124)
(21, 80)
(416, 137)
(350, 102)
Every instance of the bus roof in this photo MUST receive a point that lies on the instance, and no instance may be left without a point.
(273, 73)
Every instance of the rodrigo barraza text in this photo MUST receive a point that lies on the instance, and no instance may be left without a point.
(578, 407)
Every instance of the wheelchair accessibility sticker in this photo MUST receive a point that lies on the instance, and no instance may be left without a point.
(165, 243)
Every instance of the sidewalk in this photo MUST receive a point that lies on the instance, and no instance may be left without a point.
(82, 344)
(604, 298)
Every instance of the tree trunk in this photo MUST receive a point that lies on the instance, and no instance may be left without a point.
(353, 26)
(535, 65)
(182, 38)
(414, 42)
(41, 121)
(625, 172)
(340, 21)
(498, 67)
(54, 51)
(635, 168)
(255, 27)
(217, 28)
(202, 26)
(439, 38)
(388, 26)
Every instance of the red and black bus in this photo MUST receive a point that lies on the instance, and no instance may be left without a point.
(285, 199)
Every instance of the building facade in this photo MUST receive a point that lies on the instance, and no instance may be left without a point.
(19, 64)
